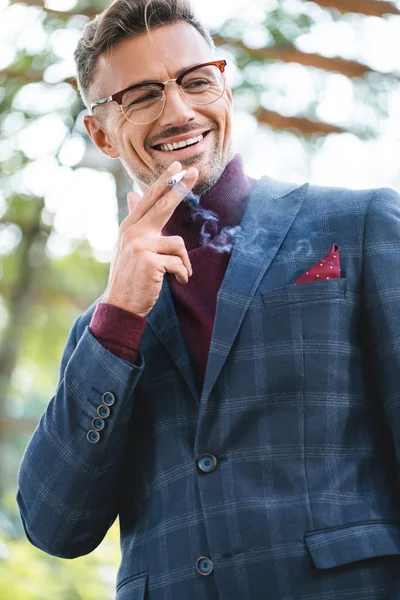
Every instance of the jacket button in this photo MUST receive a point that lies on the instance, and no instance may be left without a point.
(98, 424)
(204, 566)
(108, 398)
(103, 411)
(93, 436)
(207, 463)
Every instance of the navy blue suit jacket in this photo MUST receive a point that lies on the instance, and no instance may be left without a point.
(279, 481)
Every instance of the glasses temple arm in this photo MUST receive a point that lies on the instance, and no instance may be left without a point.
(102, 101)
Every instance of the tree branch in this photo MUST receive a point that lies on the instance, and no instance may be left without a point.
(299, 124)
(30, 76)
(51, 298)
(370, 8)
(62, 14)
(349, 68)
(12, 425)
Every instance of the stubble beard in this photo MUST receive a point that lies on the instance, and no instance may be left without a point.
(209, 174)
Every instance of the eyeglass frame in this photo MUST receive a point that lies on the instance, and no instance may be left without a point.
(117, 97)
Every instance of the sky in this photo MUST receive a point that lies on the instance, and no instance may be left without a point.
(81, 201)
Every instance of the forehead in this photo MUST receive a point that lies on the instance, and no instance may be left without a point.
(156, 56)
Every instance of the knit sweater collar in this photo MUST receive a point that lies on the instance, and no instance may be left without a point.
(227, 198)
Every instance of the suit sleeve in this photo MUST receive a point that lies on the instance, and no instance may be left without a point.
(67, 485)
(381, 289)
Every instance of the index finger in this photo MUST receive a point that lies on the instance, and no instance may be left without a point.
(154, 193)
(161, 211)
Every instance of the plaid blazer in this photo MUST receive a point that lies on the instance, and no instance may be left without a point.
(280, 481)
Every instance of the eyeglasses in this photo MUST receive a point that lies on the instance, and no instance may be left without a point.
(143, 103)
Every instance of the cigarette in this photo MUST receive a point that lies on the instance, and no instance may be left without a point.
(176, 178)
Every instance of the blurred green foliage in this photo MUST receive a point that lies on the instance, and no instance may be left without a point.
(26, 573)
(41, 295)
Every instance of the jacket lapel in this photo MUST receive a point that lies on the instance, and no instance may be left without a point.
(164, 322)
(271, 211)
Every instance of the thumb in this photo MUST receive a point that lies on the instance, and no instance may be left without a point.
(133, 200)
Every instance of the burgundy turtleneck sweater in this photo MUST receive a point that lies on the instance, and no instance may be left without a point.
(120, 331)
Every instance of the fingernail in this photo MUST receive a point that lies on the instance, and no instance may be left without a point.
(174, 167)
(193, 171)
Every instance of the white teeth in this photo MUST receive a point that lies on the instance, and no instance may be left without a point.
(183, 144)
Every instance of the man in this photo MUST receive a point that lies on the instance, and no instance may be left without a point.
(239, 411)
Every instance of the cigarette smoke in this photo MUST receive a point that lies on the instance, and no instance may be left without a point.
(228, 236)
(222, 241)
(254, 245)
(304, 247)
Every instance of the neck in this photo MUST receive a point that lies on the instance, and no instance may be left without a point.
(223, 205)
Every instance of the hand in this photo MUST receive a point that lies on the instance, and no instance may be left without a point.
(142, 255)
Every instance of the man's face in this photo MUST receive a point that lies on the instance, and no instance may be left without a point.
(160, 57)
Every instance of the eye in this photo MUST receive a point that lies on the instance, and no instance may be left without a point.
(141, 96)
(146, 97)
(196, 83)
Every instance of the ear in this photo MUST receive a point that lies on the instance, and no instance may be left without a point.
(99, 136)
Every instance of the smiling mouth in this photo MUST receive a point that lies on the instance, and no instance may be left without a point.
(181, 145)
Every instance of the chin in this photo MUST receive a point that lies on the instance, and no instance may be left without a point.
(205, 184)
(213, 170)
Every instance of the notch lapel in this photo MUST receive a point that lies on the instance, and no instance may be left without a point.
(271, 210)
(164, 322)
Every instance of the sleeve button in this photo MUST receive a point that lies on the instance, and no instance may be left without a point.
(108, 398)
(98, 424)
(103, 411)
(93, 436)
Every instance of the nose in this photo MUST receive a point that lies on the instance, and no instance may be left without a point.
(177, 110)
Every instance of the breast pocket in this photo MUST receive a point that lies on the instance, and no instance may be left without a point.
(307, 334)
(317, 314)
(132, 588)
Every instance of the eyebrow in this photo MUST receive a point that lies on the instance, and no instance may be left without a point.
(178, 74)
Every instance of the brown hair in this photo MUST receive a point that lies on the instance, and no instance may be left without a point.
(124, 19)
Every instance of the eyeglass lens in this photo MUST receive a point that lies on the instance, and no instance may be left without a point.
(201, 86)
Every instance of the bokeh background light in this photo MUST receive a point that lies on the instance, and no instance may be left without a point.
(316, 98)
(347, 159)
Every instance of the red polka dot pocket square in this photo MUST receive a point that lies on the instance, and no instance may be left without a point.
(326, 268)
